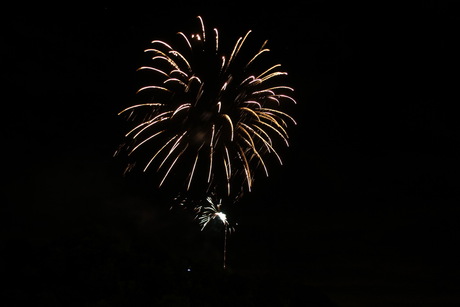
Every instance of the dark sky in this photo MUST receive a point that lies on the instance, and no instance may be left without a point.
(363, 213)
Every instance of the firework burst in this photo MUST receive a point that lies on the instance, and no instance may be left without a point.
(211, 211)
(209, 118)
(206, 214)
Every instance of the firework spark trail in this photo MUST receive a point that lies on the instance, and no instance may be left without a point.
(212, 113)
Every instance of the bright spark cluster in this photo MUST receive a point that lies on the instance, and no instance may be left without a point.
(209, 117)
(208, 213)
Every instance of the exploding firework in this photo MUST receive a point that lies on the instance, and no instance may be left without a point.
(210, 212)
(209, 118)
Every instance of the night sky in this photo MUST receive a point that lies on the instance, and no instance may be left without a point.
(364, 212)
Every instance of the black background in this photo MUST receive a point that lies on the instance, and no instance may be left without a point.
(364, 211)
